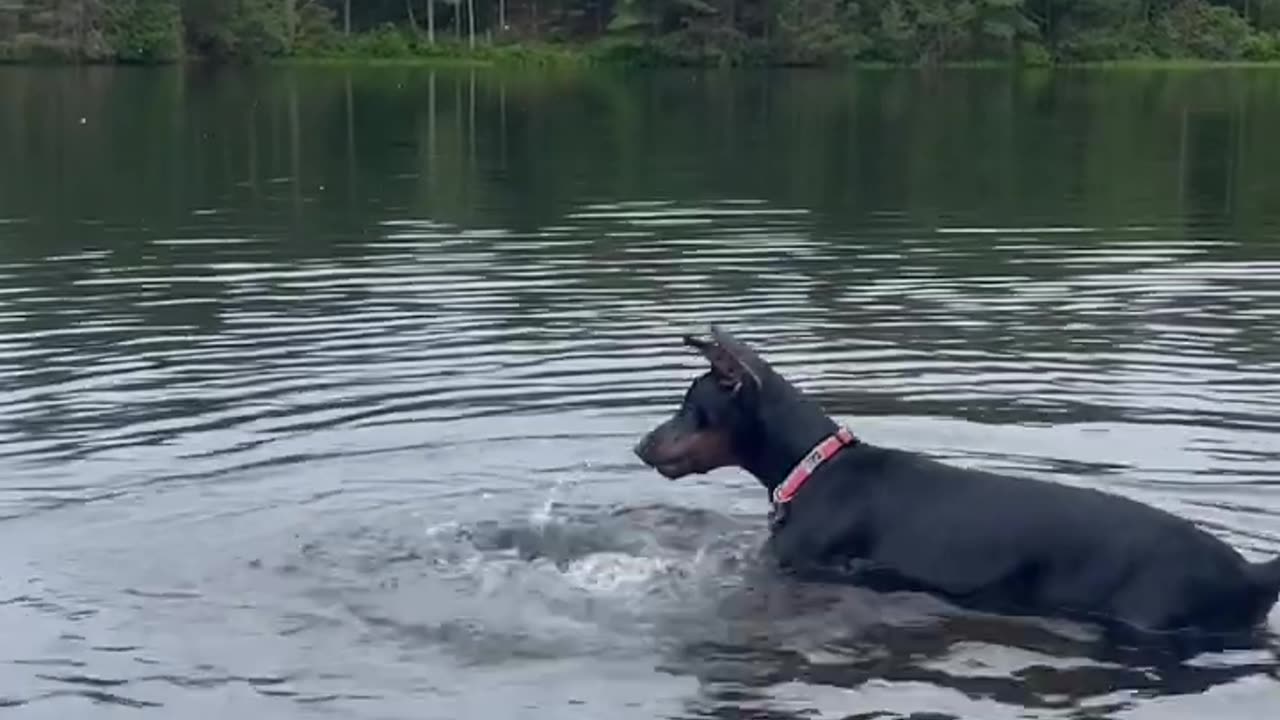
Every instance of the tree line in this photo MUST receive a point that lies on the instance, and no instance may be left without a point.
(694, 32)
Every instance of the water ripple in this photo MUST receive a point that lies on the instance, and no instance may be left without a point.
(417, 321)
(369, 464)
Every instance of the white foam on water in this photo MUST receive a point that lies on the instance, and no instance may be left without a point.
(613, 573)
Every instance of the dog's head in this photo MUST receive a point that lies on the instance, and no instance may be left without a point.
(715, 424)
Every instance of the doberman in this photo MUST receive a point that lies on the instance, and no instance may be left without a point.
(847, 510)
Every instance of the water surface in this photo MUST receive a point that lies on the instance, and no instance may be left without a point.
(319, 386)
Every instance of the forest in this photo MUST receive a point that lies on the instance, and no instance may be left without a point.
(642, 32)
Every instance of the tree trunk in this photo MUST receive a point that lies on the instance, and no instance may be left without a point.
(413, 19)
(290, 22)
(346, 17)
(502, 16)
(79, 31)
(471, 23)
(431, 22)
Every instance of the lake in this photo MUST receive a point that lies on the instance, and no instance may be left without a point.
(320, 385)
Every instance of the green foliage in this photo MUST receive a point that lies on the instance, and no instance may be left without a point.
(1193, 28)
(896, 36)
(1263, 47)
(999, 25)
(144, 31)
(1105, 43)
(818, 32)
(241, 29)
(1095, 30)
(703, 44)
(627, 50)
(528, 54)
(1034, 54)
(390, 44)
(632, 18)
(387, 41)
(317, 31)
(643, 32)
(943, 28)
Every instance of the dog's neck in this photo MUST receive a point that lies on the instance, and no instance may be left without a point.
(791, 428)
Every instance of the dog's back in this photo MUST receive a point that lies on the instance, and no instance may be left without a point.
(1020, 543)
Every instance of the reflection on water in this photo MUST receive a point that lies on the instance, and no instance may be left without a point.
(319, 387)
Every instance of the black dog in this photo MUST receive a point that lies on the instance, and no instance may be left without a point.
(893, 519)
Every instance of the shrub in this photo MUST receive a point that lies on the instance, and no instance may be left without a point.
(243, 29)
(316, 32)
(817, 32)
(1033, 54)
(144, 31)
(1263, 47)
(1098, 44)
(386, 41)
(1194, 28)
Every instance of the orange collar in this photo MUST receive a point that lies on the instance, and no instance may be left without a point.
(803, 470)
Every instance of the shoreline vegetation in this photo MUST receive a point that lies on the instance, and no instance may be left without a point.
(688, 33)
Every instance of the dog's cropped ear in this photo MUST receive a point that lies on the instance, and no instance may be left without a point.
(732, 369)
(697, 344)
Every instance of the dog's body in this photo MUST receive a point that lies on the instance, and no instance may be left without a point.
(896, 520)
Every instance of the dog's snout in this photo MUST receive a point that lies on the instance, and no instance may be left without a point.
(655, 445)
(643, 446)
